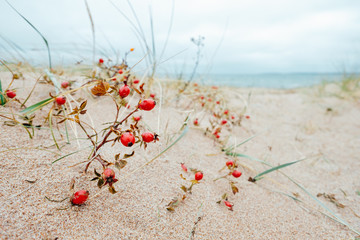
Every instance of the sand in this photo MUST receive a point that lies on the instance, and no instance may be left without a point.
(290, 125)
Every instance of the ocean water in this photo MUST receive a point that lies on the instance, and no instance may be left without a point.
(271, 80)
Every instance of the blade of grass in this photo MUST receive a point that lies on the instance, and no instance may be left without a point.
(92, 28)
(54, 81)
(332, 216)
(2, 99)
(37, 106)
(243, 142)
(69, 154)
(46, 42)
(276, 168)
(52, 131)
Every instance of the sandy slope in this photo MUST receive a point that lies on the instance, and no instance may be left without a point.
(291, 125)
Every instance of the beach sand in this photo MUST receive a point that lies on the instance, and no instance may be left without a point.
(289, 125)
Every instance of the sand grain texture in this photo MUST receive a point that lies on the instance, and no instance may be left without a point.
(292, 125)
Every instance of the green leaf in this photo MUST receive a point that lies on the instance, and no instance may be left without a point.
(2, 98)
(257, 177)
(33, 108)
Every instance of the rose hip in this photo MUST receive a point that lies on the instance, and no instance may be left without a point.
(236, 173)
(65, 84)
(10, 94)
(60, 100)
(124, 91)
(229, 163)
(127, 139)
(198, 176)
(147, 104)
(147, 137)
(79, 197)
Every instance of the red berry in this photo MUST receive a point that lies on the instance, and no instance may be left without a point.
(147, 104)
(217, 102)
(247, 116)
(230, 163)
(226, 111)
(209, 99)
(228, 204)
(10, 94)
(217, 136)
(223, 122)
(137, 118)
(198, 176)
(108, 174)
(152, 95)
(196, 122)
(65, 84)
(232, 117)
(101, 60)
(236, 173)
(120, 71)
(127, 139)
(60, 100)
(124, 91)
(202, 97)
(147, 137)
(136, 81)
(184, 167)
(79, 197)
(195, 84)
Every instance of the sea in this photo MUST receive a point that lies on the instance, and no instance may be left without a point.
(270, 80)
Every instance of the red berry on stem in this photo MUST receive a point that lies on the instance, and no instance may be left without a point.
(60, 100)
(10, 94)
(223, 122)
(236, 173)
(108, 174)
(184, 167)
(228, 204)
(202, 97)
(198, 176)
(101, 61)
(120, 71)
(152, 95)
(65, 84)
(136, 81)
(232, 117)
(137, 118)
(230, 163)
(147, 137)
(217, 136)
(127, 139)
(196, 122)
(217, 102)
(79, 197)
(247, 116)
(226, 111)
(124, 91)
(147, 104)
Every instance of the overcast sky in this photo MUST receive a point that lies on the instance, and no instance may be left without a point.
(241, 36)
